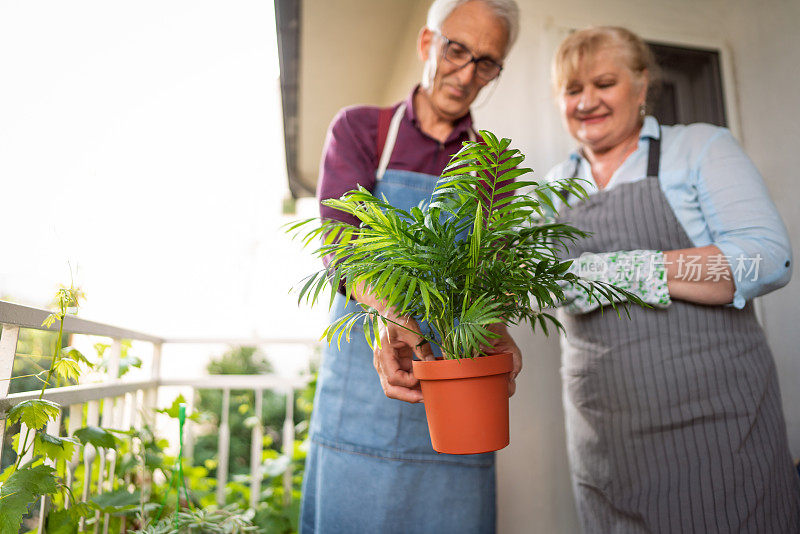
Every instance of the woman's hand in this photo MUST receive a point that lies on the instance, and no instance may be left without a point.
(700, 275)
(393, 359)
(640, 272)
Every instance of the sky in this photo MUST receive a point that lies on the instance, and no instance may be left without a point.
(141, 150)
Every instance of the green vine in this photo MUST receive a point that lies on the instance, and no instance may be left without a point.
(22, 483)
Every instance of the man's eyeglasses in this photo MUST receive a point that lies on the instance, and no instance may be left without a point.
(459, 55)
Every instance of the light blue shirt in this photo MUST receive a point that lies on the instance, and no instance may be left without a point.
(717, 195)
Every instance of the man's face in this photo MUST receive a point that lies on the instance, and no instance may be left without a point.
(473, 25)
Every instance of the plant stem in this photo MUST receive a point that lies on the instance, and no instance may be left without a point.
(23, 449)
(24, 376)
(420, 334)
(447, 349)
(56, 353)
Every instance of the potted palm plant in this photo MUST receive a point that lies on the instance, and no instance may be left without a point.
(484, 250)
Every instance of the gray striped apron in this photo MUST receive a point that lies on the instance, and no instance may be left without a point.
(674, 420)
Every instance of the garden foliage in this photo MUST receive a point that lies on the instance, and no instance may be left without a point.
(142, 495)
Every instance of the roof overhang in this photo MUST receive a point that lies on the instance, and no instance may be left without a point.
(334, 54)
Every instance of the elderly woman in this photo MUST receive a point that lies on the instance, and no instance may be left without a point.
(674, 418)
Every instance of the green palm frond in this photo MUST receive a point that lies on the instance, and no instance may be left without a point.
(507, 268)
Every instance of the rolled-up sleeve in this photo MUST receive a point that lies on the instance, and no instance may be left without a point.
(742, 219)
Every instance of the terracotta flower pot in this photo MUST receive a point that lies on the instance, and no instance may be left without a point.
(466, 402)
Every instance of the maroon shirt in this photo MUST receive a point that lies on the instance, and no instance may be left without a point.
(350, 156)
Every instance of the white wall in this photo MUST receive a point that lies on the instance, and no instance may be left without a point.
(764, 43)
(759, 42)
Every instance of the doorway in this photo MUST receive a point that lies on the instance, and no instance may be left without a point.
(691, 88)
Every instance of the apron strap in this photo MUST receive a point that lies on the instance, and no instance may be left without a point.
(654, 155)
(391, 137)
(390, 134)
(577, 168)
(384, 118)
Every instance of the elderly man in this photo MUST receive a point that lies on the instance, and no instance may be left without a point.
(371, 467)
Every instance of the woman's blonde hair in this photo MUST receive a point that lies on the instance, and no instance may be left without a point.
(584, 44)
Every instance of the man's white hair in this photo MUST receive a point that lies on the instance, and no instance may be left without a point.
(505, 10)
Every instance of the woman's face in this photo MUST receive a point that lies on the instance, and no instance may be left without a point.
(600, 103)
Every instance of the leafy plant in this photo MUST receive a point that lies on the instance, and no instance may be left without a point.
(144, 476)
(126, 360)
(228, 520)
(507, 269)
(35, 349)
(23, 485)
(238, 361)
(275, 513)
(20, 490)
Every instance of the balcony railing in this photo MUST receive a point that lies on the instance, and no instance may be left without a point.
(130, 403)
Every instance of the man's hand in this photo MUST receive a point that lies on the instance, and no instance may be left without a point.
(505, 343)
(393, 359)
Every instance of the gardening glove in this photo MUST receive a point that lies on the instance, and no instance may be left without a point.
(641, 272)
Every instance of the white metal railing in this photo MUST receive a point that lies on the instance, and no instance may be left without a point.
(114, 402)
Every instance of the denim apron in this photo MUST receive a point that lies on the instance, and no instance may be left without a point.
(370, 466)
(673, 418)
